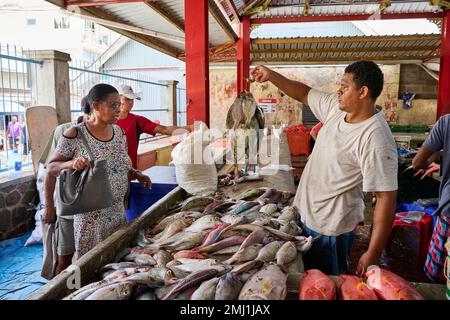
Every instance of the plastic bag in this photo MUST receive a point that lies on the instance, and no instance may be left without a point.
(36, 235)
(275, 159)
(194, 162)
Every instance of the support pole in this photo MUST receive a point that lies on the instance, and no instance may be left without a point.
(443, 101)
(243, 56)
(197, 60)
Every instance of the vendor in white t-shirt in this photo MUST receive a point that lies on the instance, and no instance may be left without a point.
(354, 153)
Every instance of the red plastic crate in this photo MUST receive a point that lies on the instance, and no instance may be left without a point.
(299, 140)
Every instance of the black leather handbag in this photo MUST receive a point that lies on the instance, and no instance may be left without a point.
(79, 191)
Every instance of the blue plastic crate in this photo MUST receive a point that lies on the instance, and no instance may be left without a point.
(163, 181)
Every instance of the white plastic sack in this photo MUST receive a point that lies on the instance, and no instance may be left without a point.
(194, 162)
(275, 160)
(36, 235)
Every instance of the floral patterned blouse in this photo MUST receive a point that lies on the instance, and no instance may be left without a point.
(93, 227)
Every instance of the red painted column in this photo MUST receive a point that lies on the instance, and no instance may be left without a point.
(197, 60)
(243, 56)
(443, 103)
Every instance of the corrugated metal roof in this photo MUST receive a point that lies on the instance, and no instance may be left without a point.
(168, 16)
(140, 15)
(311, 29)
(344, 49)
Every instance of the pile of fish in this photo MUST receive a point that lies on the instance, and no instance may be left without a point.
(210, 248)
(217, 248)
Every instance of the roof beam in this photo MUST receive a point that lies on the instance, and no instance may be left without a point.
(78, 3)
(346, 17)
(366, 49)
(159, 10)
(220, 19)
(435, 37)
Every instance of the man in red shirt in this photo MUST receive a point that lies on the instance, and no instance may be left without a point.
(134, 125)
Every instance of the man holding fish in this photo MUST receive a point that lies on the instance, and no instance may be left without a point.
(356, 153)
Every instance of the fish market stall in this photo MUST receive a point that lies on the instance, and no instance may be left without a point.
(219, 254)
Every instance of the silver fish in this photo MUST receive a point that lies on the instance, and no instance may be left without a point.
(291, 228)
(246, 254)
(144, 278)
(296, 266)
(233, 219)
(251, 194)
(269, 251)
(229, 286)
(206, 291)
(173, 228)
(118, 265)
(87, 289)
(115, 291)
(161, 226)
(226, 251)
(252, 213)
(288, 214)
(190, 281)
(267, 284)
(287, 253)
(145, 260)
(196, 202)
(193, 265)
(162, 274)
(178, 273)
(255, 237)
(162, 258)
(204, 223)
(269, 209)
(188, 241)
(262, 221)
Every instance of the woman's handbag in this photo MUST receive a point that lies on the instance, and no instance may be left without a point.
(86, 190)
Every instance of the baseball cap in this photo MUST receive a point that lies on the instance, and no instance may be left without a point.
(127, 91)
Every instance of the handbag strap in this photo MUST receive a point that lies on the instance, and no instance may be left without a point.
(85, 143)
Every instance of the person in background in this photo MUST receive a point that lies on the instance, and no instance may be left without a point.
(106, 141)
(14, 132)
(134, 125)
(356, 153)
(25, 146)
(436, 145)
(65, 245)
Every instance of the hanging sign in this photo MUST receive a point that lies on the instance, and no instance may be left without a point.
(268, 105)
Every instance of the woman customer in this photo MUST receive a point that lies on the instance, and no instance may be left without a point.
(106, 141)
